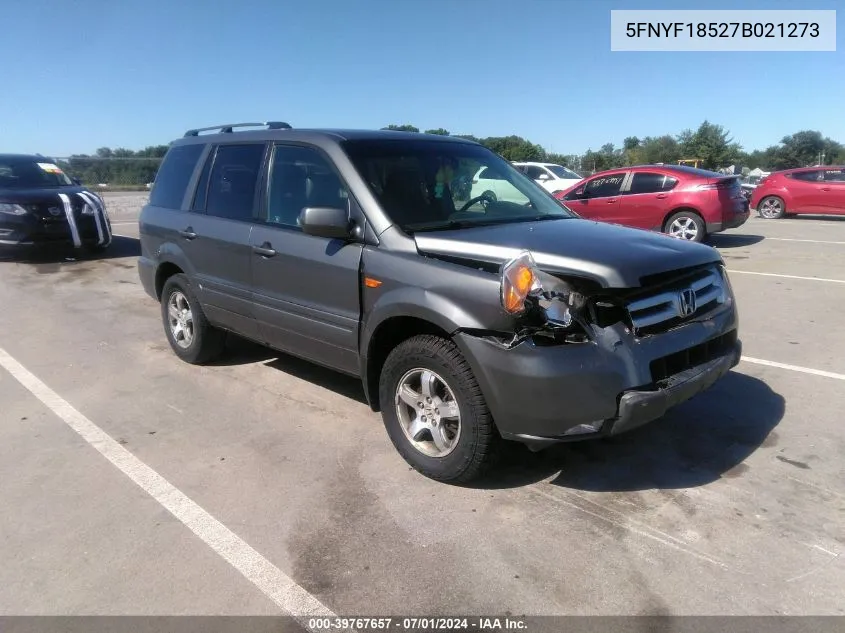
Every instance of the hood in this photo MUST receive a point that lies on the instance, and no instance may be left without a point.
(611, 255)
(38, 195)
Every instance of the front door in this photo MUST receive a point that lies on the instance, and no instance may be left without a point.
(306, 288)
(598, 199)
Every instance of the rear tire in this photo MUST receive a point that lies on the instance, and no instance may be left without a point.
(686, 225)
(771, 208)
(192, 338)
(435, 379)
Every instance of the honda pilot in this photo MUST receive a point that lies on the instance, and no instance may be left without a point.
(469, 322)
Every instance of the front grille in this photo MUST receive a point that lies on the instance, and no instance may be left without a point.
(660, 309)
(662, 369)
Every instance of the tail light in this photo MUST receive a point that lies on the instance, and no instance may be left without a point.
(720, 185)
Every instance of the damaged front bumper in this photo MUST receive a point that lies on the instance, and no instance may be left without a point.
(544, 394)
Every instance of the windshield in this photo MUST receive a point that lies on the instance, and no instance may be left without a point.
(563, 172)
(431, 185)
(28, 174)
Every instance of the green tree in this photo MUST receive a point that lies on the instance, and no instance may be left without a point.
(631, 142)
(514, 148)
(438, 131)
(401, 128)
(804, 148)
(712, 144)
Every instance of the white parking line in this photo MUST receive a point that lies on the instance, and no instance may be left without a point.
(274, 583)
(803, 370)
(749, 272)
(792, 239)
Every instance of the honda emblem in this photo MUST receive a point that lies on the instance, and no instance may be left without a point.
(686, 302)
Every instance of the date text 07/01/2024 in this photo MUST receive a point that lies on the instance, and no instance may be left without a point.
(416, 624)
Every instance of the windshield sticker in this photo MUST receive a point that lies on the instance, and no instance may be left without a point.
(50, 168)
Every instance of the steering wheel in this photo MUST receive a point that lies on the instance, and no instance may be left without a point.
(485, 199)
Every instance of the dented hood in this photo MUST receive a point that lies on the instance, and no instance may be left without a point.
(612, 255)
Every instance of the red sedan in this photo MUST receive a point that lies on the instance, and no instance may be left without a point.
(683, 202)
(811, 190)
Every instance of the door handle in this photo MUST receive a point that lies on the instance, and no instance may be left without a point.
(825, 188)
(611, 201)
(660, 196)
(265, 250)
(188, 233)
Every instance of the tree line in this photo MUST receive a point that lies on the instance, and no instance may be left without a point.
(710, 143)
(117, 168)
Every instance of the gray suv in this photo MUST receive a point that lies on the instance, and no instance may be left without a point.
(468, 321)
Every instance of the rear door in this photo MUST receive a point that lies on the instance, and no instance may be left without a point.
(833, 188)
(599, 197)
(647, 197)
(306, 288)
(218, 235)
(805, 191)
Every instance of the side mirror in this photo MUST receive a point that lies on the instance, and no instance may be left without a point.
(76, 181)
(579, 193)
(325, 222)
(543, 177)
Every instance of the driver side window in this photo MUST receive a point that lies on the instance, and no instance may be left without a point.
(604, 186)
(534, 172)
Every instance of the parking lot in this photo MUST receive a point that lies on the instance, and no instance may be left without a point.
(133, 483)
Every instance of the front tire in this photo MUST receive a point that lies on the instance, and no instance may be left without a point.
(192, 338)
(686, 225)
(771, 208)
(434, 411)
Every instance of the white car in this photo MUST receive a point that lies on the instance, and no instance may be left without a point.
(551, 177)
(494, 187)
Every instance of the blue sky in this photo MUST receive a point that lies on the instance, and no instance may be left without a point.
(131, 73)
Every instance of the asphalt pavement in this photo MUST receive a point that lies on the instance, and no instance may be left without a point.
(133, 483)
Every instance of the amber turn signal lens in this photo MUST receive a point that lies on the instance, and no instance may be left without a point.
(518, 280)
(369, 282)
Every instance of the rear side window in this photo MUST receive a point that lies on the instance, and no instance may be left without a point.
(232, 182)
(647, 182)
(174, 175)
(834, 175)
(811, 176)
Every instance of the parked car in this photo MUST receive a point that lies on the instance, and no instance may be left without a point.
(684, 202)
(549, 176)
(40, 206)
(466, 323)
(491, 184)
(811, 190)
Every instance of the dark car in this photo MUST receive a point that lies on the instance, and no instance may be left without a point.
(467, 322)
(810, 190)
(41, 206)
(684, 202)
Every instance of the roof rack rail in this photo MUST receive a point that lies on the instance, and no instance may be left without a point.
(229, 127)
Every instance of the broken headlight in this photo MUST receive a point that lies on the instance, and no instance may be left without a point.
(524, 287)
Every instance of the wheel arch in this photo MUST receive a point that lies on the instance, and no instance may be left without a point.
(685, 207)
(164, 272)
(389, 333)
